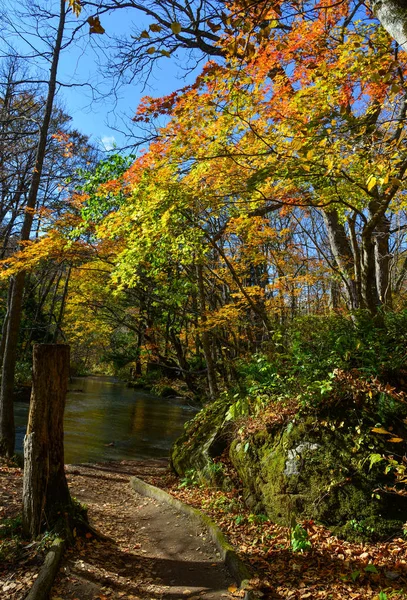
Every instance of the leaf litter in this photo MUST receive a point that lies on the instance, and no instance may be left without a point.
(148, 550)
(128, 566)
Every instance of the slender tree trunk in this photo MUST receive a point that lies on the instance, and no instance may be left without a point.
(7, 428)
(140, 342)
(383, 260)
(343, 255)
(401, 277)
(335, 295)
(5, 322)
(49, 336)
(206, 338)
(45, 489)
(368, 274)
(356, 257)
(182, 360)
(58, 326)
(257, 307)
(43, 296)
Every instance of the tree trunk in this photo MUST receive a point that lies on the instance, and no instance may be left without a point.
(206, 338)
(392, 14)
(383, 260)
(7, 428)
(343, 255)
(183, 363)
(356, 257)
(5, 321)
(368, 274)
(45, 489)
(335, 295)
(58, 325)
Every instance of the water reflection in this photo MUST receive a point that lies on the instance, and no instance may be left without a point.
(105, 420)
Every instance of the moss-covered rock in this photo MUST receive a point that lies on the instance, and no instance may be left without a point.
(320, 469)
(205, 438)
(317, 466)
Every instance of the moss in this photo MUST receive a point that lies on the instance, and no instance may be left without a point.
(319, 469)
(205, 438)
(315, 467)
(370, 529)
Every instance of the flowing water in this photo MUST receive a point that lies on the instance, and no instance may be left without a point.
(105, 420)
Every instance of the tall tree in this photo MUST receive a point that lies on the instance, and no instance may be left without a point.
(7, 428)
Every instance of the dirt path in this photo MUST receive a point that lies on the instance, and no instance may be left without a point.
(155, 552)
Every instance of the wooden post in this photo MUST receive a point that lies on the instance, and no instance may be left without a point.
(45, 489)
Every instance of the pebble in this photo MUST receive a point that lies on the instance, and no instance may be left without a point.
(392, 575)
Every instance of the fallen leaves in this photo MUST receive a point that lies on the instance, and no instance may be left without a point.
(333, 569)
(328, 571)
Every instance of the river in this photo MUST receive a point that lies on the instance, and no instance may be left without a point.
(105, 420)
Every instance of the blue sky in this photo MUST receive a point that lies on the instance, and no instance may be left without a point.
(102, 118)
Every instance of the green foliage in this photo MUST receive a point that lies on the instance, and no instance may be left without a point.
(78, 506)
(360, 527)
(102, 201)
(252, 519)
(23, 372)
(371, 569)
(319, 344)
(258, 519)
(10, 538)
(121, 351)
(299, 539)
(223, 503)
(240, 408)
(216, 469)
(10, 527)
(303, 358)
(190, 479)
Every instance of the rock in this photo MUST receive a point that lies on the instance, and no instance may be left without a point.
(392, 575)
(315, 467)
(206, 437)
(321, 472)
(293, 463)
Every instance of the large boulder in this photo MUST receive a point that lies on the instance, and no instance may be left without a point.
(320, 465)
(321, 470)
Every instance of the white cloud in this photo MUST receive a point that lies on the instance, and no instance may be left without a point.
(108, 142)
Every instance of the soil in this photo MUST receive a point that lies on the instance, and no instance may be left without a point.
(153, 552)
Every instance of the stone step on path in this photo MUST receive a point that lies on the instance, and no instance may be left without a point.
(154, 553)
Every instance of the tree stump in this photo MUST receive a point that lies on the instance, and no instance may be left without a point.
(45, 489)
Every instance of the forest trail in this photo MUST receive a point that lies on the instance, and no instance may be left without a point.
(154, 551)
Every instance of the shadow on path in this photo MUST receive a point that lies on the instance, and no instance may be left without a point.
(154, 551)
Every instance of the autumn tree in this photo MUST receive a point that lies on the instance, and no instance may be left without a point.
(313, 157)
(53, 40)
(275, 187)
(302, 132)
